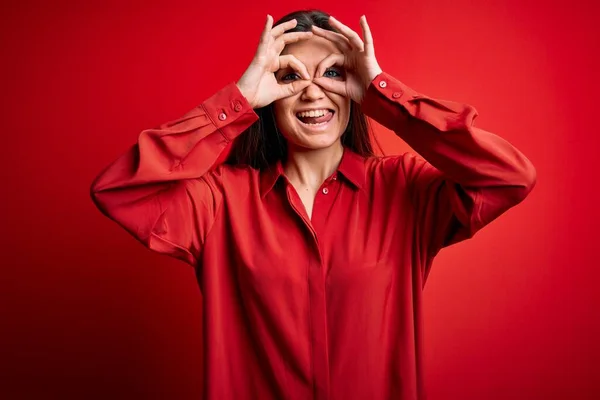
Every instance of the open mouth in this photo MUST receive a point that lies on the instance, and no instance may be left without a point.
(315, 118)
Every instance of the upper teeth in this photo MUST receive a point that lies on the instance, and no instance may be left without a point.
(313, 113)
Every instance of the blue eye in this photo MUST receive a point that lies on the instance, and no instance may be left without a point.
(290, 77)
(332, 73)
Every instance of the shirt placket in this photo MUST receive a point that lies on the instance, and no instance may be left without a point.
(316, 285)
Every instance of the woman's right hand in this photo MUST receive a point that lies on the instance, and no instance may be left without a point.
(259, 84)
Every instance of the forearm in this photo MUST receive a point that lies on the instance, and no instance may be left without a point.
(186, 148)
(443, 133)
(159, 190)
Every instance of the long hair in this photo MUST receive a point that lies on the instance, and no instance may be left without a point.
(261, 144)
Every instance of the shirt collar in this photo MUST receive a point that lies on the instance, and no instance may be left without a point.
(352, 167)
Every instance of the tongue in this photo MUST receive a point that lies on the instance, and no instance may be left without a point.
(316, 120)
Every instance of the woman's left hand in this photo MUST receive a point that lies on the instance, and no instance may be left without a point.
(357, 58)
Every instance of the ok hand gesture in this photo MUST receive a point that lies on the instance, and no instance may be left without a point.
(258, 84)
(357, 58)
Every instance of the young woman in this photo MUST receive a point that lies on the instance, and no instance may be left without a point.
(311, 252)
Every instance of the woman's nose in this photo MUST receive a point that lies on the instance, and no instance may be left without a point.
(312, 92)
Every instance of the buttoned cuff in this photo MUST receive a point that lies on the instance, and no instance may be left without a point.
(386, 85)
(226, 107)
(389, 101)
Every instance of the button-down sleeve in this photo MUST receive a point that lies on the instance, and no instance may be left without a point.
(161, 190)
(463, 177)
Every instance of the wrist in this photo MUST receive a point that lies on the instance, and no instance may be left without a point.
(244, 93)
(372, 75)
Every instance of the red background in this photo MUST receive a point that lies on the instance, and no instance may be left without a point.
(87, 312)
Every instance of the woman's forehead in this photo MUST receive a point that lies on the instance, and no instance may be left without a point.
(311, 51)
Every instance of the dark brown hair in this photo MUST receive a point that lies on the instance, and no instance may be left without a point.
(261, 145)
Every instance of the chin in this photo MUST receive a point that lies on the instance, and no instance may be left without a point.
(313, 141)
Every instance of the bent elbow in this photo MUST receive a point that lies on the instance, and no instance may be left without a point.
(525, 182)
(94, 192)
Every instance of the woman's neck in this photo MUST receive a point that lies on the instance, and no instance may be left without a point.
(310, 168)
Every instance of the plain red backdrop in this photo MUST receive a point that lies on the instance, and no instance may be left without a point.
(87, 312)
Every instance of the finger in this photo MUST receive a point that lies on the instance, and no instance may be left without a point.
(289, 60)
(290, 89)
(264, 37)
(335, 37)
(279, 29)
(331, 85)
(349, 33)
(330, 60)
(290, 37)
(369, 48)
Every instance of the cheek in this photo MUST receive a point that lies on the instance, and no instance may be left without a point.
(344, 112)
(342, 103)
(283, 119)
(281, 112)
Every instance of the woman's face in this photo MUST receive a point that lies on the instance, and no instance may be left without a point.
(314, 118)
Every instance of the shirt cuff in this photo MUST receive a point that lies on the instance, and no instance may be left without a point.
(386, 85)
(384, 96)
(225, 107)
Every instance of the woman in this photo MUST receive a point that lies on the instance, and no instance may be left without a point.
(311, 253)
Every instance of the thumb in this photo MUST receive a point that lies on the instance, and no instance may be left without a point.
(338, 87)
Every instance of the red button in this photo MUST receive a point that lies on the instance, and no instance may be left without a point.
(396, 95)
(238, 107)
(222, 116)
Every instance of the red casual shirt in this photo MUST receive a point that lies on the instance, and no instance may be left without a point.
(328, 308)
